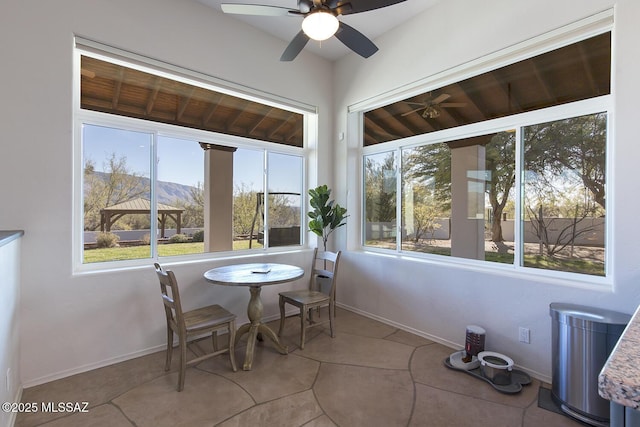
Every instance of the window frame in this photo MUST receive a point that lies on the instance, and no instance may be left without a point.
(156, 129)
(589, 27)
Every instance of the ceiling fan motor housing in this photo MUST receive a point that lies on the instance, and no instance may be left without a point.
(349, 36)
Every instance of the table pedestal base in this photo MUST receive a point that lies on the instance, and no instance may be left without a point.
(255, 327)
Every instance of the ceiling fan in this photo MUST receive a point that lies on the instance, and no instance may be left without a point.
(320, 22)
(432, 107)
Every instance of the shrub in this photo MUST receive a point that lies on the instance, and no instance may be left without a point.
(146, 239)
(178, 238)
(107, 240)
(198, 236)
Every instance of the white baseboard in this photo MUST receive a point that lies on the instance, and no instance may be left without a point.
(113, 360)
(16, 399)
(91, 366)
(118, 359)
(439, 340)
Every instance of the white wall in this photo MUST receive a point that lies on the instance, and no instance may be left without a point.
(9, 326)
(440, 299)
(73, 323)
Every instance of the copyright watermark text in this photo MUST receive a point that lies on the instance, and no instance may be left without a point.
(49, 407)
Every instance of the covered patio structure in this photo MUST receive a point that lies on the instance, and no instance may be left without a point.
(110, 214)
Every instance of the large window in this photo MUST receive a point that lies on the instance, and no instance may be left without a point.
(564, 194)
(380, 199)
(456, 197)
(529, 194)
(171, 168)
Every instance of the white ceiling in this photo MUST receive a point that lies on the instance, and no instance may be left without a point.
(372, 24)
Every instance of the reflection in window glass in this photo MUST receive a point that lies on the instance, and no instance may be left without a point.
(380, 200)
(426, 199)
(285, 199)
(564, 195)
(458, 198)
(116, 194)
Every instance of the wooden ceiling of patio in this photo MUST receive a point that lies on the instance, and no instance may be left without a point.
(578, 71)
(115, 89)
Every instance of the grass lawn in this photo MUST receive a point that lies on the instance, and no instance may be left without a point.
(177, 249)
(572, 265)
(165, 250)
(559, 264)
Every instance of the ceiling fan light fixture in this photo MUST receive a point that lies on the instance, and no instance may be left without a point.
(431, 112)
(320, 25)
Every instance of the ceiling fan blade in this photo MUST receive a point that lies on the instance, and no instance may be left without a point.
(453, 104)
(295, 47)
(443, 97)
(255, 9)
(348, 7)
(305, 6)
(412, 111)
(355, 40)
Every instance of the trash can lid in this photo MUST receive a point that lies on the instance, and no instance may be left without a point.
(581, 316)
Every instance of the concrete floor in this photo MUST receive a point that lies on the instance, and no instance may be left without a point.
(370, 374)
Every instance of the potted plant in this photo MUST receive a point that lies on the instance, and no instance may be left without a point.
(326, 215)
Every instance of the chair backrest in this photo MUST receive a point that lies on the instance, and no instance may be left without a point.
(325, 264)
(170, 298)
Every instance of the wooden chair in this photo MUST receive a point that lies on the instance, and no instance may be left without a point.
(190, 324)
(321, 293)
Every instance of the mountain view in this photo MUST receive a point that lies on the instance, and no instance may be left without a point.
(167, 192)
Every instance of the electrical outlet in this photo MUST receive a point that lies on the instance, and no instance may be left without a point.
(524, 335)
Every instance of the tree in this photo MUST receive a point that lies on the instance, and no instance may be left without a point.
(117, 184)
(557, 207)
(500, 162)
(425, 213)
(564, 178)
(433, 163)
(244, 210)
(564, 235)
(193, 215)
(284, 210)
(575, 144)
(380, 189)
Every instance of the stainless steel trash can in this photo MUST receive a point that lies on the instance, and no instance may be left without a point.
(582, 339)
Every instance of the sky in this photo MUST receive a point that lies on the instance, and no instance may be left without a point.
(182, 161)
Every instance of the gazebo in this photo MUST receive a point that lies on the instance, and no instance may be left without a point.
(109, 215)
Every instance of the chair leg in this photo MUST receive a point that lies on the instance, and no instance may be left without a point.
(214, 339)
(167, 363)
(183, 363)
(303, 328)
(232, 345)
(332, 313)
(281, 316)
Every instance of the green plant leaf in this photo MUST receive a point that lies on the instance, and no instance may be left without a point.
(326, 215)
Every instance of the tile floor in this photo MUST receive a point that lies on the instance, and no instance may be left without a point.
(370, 374)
